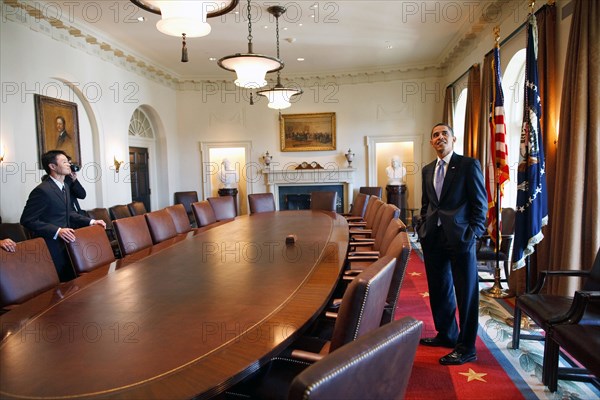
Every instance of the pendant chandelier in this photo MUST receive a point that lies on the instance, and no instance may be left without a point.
(250, 67)
(278, 96)
(185, 18)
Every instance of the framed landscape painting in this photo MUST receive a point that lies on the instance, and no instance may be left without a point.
(57, 126)
(307, 132)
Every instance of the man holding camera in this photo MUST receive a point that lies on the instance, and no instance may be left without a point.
(48, 212)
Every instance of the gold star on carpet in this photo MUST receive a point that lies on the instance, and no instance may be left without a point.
(415, 274)
(472, 375)
(424, 294)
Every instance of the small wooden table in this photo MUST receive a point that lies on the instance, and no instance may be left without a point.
(192, 319)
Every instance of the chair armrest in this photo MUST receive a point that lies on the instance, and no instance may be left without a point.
(306, 356)
(373, 253)
(362, 258)
(351, 218)
(357, 224)
(578, 307)
(544, 274)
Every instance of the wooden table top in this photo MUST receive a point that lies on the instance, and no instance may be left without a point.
(191, 319)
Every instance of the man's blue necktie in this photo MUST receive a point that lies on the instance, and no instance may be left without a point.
(439, 178)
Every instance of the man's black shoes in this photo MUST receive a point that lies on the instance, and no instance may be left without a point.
(436, 342)
(457, 357)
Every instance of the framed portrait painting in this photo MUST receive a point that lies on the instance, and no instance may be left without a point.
(57, 126)
(307, 132)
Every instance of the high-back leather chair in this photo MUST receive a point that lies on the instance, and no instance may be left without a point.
(14, 231)
(359, 315)
(180, 218)
(161, 225)
(223, 206)
(359, 206)
(399, 248)
(101, 214)
(261, 202)
(90, 250)
(375, 366)
(371, 190)
(326, 201)
(119, 211)
(137, 208)
(204, 213)
(133, 234)
(187, 198)
(26, 272)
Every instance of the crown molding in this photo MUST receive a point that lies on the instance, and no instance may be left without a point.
(93, 43)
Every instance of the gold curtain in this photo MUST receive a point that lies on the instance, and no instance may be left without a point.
(472, 139)
(546, 22)
(484, 109)
(448, 117)
(576, 228)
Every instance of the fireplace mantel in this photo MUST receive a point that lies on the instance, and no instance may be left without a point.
(305, 177)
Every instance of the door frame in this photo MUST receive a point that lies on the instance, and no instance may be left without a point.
(152, 173)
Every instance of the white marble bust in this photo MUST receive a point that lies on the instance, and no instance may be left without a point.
(227, 175)
(396, 172)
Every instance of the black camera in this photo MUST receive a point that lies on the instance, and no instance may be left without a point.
(75, 167)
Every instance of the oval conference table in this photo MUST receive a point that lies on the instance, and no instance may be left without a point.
(189, 320)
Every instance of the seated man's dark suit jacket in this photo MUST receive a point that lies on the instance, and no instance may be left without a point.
(46, 210)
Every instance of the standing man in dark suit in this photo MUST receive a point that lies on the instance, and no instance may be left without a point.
(454, 205)
(48, 212)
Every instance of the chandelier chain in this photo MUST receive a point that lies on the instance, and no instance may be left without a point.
(277, 37)
(249, 23)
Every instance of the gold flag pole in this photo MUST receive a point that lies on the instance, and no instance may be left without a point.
(496, 291)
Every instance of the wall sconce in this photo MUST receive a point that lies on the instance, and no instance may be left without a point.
(117, 164)
(1, 153)
(349, 156)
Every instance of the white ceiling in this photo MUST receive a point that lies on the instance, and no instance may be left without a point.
(335, 37)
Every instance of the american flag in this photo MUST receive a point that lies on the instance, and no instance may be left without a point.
(532, 203)
(497, 166)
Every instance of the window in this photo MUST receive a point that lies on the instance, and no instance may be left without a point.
(459, 121)
(513, 82)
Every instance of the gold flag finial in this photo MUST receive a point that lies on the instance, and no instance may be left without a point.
(531, 6)
(497, 34)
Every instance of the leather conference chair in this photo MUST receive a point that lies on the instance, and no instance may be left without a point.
(371, 190)
(133, 234)
(547, 310)
(400, 249)
(261, 202)
(325, 201)
(383, 359)
(373, 206)
(378, 245)
(359, 314)
(161, 226)
(180, 218)
(578, 340)
(369, 229)
(90, 250)
(119, 211)
(359, 206)
(485, 247)
(102, 214)
(14, 231)
(26, 273)
(385, 354)
(137, 208)
(187, 198)
(204, 213)
(224, 207)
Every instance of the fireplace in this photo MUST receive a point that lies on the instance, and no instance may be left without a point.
(298, 197)
(302, 182)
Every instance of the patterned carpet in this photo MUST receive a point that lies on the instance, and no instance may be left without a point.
(499, 372)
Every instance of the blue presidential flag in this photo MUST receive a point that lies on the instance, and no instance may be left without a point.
(532, 203)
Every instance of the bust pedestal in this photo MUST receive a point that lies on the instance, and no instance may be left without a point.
(230, 192)
(396, 195)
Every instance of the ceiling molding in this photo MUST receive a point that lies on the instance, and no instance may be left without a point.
(92, 43)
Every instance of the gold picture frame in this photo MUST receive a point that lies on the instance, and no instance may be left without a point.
(307, 132)
(48, 111)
